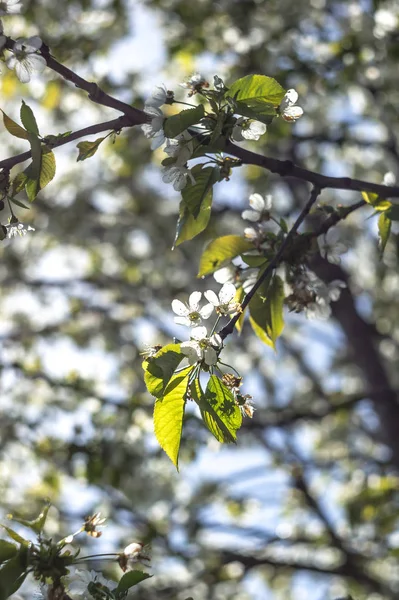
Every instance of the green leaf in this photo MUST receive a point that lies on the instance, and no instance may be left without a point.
(36, 524)
(221, 251)
(188, 226)
(266, 310)
(88, 149)
(160, 368)
(18, 203)
(194, 194)
(28, 119)
(130, 579)
(220, 412)
(7, 550)
(15, 536)
(256, 109)
(12, 574)
(13, 127)
(169, 413)
(255, 90)
(18, 183)
(375, 202)
(253, 260)
(179, 123)
(384, 229)
(393, 212)
(41, 170)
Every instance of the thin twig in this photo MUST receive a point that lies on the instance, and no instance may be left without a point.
(229, 328)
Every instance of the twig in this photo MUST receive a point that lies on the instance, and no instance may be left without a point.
(229, 328)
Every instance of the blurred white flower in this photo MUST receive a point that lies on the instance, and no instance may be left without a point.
(178, 175)
(224, 304)
(330, 247)
(24, 59)
(158, 97)
(181, 148)
(389, 178)
(191, 314)
(154, 129)
(259, 206)
(225, 274)
(288, 111)
(201, 347)
(18, 229)
(9, 6)
(246, 129)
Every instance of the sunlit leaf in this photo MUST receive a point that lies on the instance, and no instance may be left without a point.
(220, 412)
(384, 229)
(266, 310)
(41, 171)
(169, 413)
(160, 368)
(221, 251)
(15, 536)
(36, 524)
(188, 226)
(13, 127)
(254, 90)
(88, 149)
(373, 199)
(185, 119)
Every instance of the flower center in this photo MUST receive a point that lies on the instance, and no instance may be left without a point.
(194, 316)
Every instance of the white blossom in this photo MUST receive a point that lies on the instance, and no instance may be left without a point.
(9, 6)
(259, 206)
(194, 83)
(225, 274)
(330, 248)
(24, 59)
(18, 229)
(154, 129)
(224, 304)
(389, 178)
(323, 294)
(158, 97)
(178, 175)
(288, 110)
(191, 314)
(78, 582)
(201, 347)
(246, 129)
(181, 148)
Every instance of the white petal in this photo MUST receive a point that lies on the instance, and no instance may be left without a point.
(258, 127)
(250, 233)
(216, 340)
(36, 63)
(206, 311)
(153, 111)
(292, 113)
(199, 333)
(210, 356)
(22, 71)
(157, 140)
(180, 182)
(192, 350)
(224, 275)
(180, 309)
(211, 297)
(194, 300)
(257, 202)
(289, 99)
(268, 202)
(251, 215)
(389, 179)
(182, 321)
(249, 134)
(33, 43)
(227, 293)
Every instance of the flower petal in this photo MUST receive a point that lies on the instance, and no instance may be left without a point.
(194, 300)
(199, 333)
(257, 202)
(206, 311)
(192, 350)
(227, 293)
(210, 356)
(251, 215)
(292, 113)
(180, 309)
(211, 297)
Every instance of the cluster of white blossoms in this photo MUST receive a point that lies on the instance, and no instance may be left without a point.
(18, 229)
(259, 212)
(312, 296)
(204, 346)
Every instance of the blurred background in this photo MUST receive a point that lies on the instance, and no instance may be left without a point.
(306, 506)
